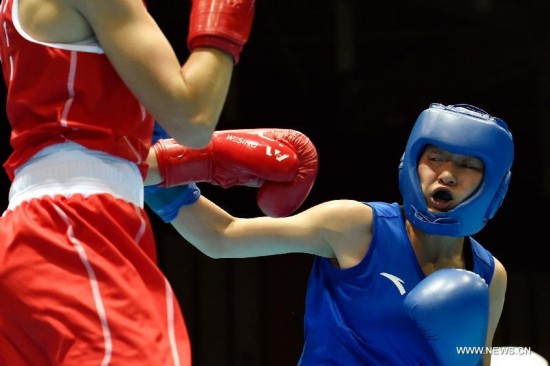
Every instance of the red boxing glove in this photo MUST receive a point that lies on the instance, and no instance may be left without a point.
(282, 162)
(221, 24)
(279, 199)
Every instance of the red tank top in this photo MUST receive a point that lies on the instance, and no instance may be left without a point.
(61, 92)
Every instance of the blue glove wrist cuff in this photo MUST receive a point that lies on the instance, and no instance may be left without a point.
(166, 202)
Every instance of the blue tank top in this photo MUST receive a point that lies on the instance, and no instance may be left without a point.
(356, 316)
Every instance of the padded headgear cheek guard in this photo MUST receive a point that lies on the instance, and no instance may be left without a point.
(466, 130)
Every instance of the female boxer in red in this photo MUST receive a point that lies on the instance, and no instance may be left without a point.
(78, 280)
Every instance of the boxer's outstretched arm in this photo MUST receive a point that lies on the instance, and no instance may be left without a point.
(335, 229)
(283, 163)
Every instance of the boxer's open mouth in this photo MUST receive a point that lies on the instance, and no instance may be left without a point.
(442, 195)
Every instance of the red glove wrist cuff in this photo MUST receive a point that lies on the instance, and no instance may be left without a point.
(222, 24)
(232, 48)
(178, 164)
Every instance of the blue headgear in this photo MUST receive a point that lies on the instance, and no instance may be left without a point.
(465, 130)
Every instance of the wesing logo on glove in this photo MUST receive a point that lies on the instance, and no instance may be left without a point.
(254, 144)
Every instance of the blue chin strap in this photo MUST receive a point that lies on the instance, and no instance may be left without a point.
(466, 130)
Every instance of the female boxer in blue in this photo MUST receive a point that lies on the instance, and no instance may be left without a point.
(391, 284)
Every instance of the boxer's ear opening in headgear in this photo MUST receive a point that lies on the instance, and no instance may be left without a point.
(466, 130)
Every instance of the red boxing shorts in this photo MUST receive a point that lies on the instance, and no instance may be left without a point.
(79, 284)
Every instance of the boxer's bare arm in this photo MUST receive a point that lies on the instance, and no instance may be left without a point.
(187, 100)
(336, 229)
(497, 291)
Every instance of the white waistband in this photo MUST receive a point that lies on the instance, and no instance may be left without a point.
(68, 168)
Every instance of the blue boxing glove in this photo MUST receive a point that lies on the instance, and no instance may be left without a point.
(166, 202)
(451, 308)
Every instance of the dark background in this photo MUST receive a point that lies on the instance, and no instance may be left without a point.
(353, 75)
